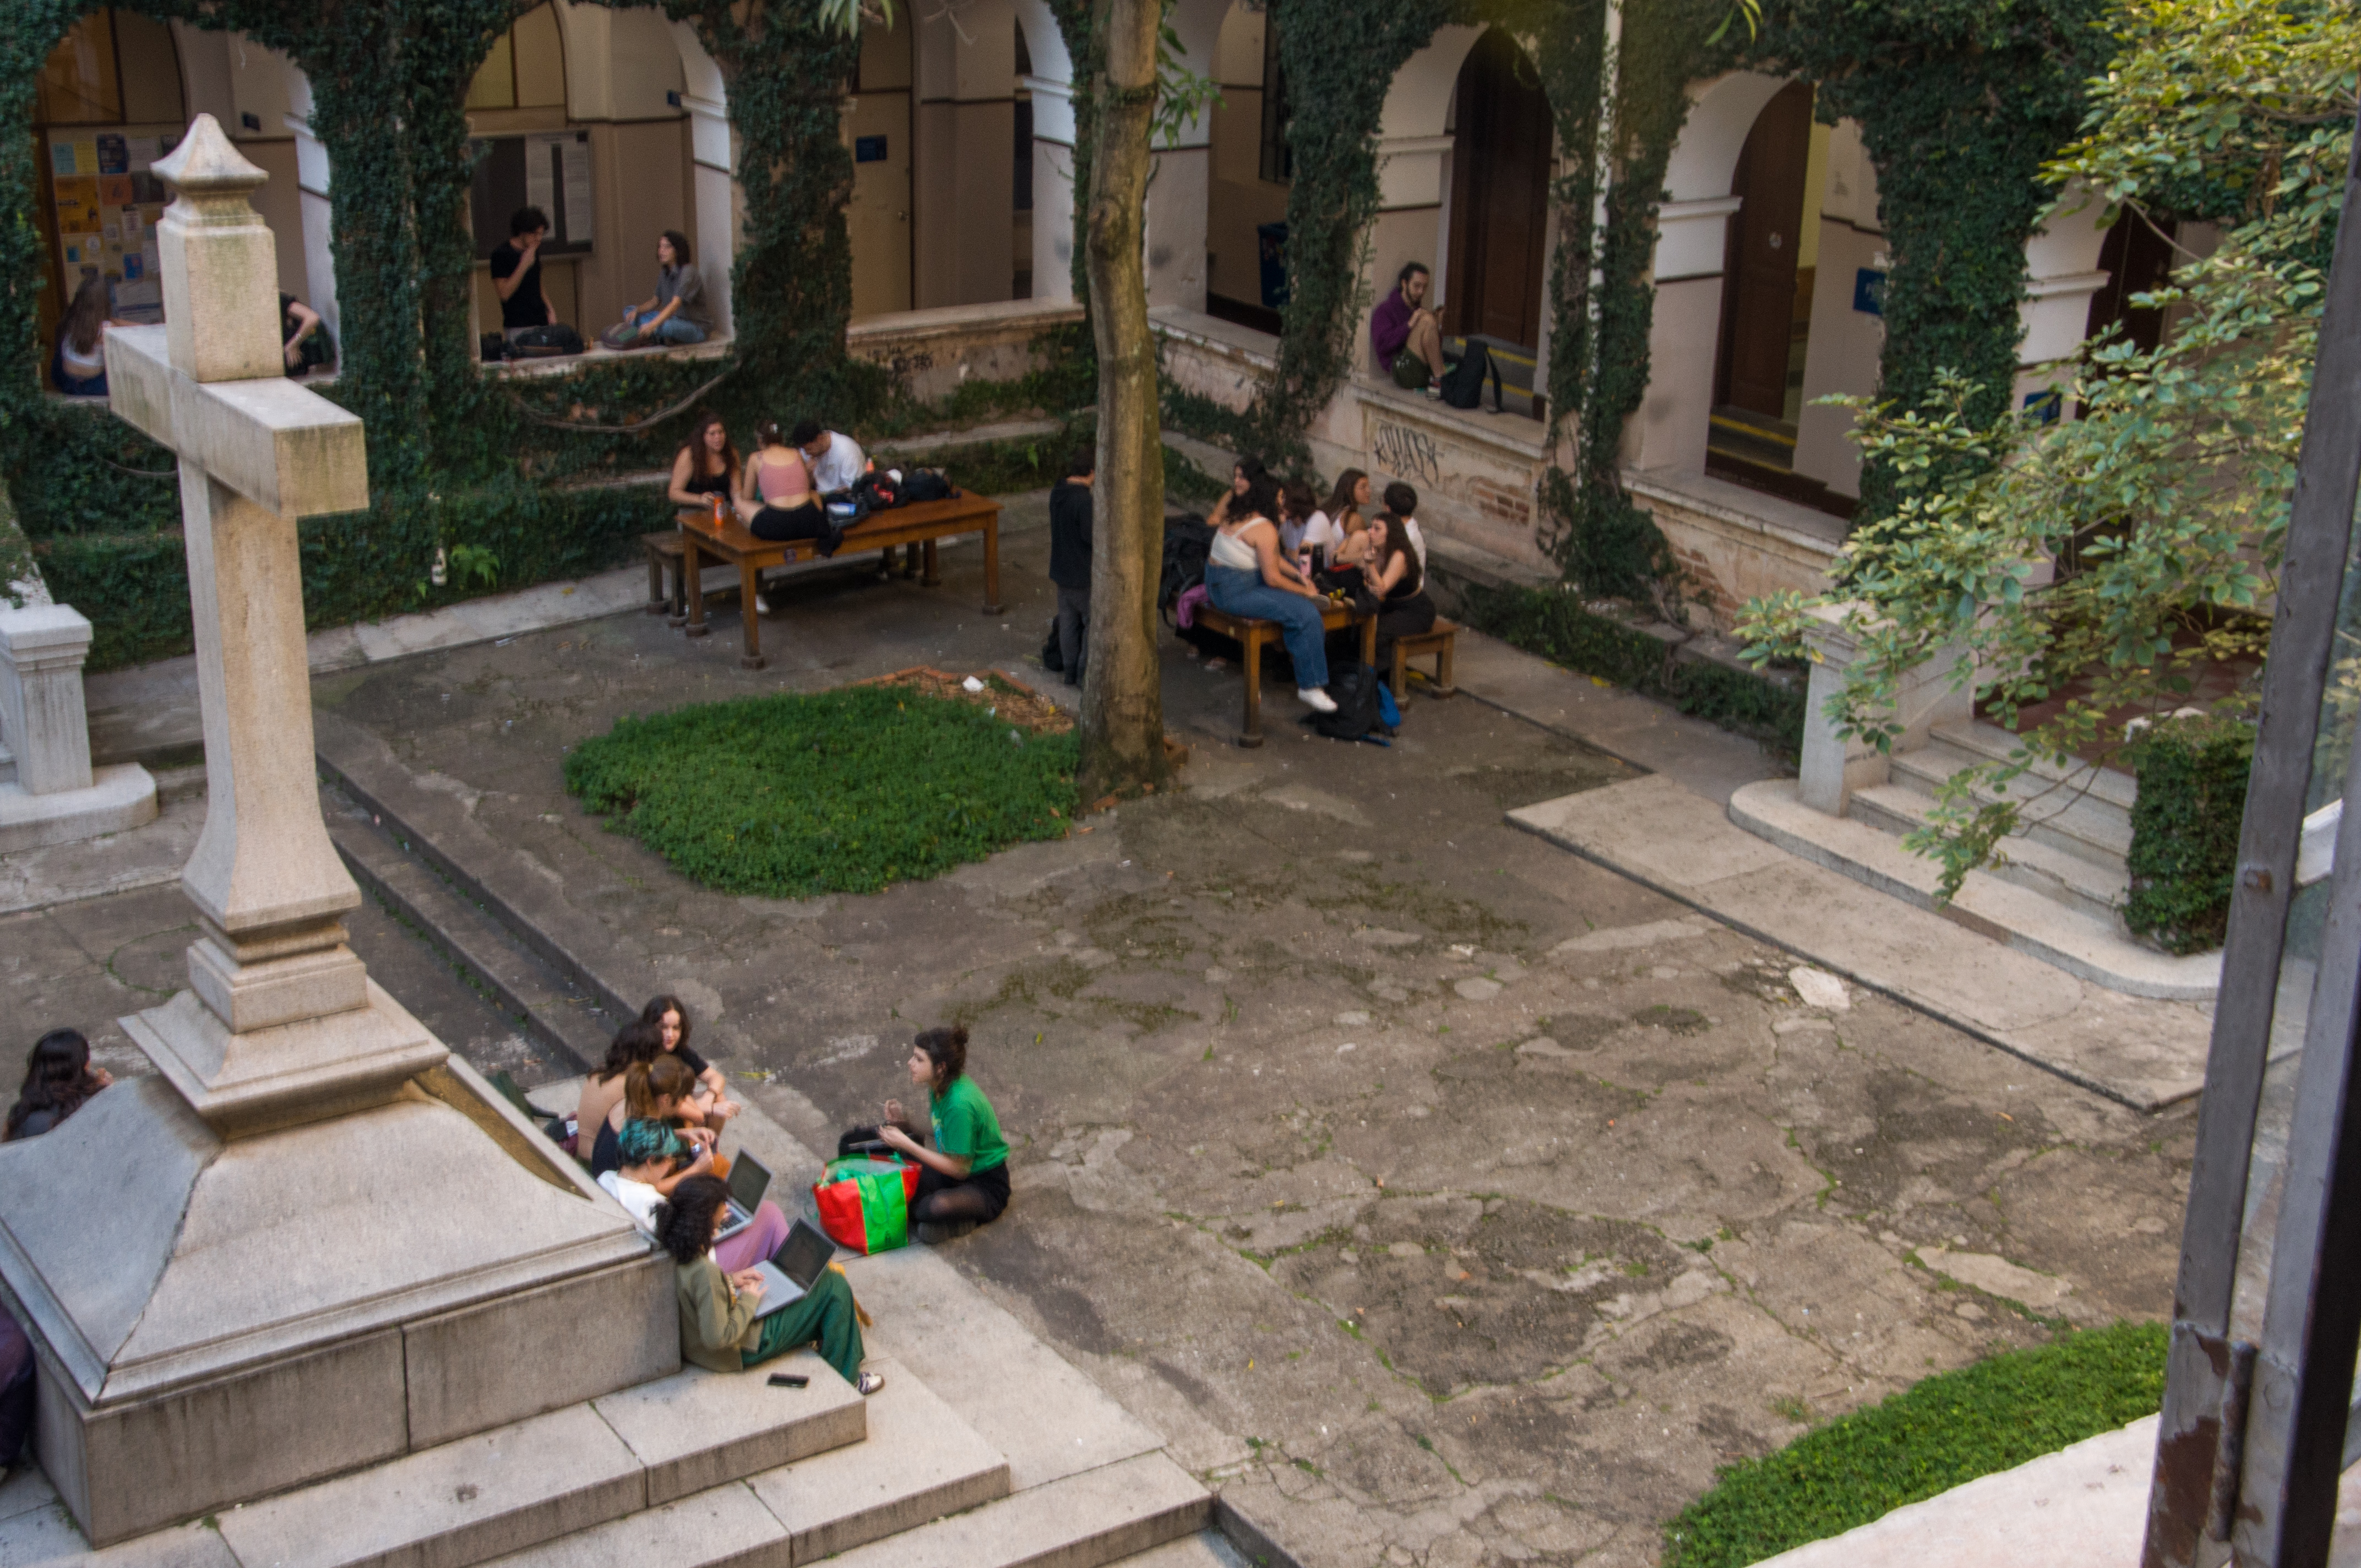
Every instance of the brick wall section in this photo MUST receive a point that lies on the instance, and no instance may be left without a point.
(1512, 507)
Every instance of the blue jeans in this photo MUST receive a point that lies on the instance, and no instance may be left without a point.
(678, 330)
(75, 385)
(1241, 592)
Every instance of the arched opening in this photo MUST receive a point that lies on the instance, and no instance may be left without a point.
(1769, 266)
(1499, 197)
(107, 103)
(1246, 212)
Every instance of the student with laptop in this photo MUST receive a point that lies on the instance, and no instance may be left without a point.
(656, 1162)
(732, 1319)
(662, 1091)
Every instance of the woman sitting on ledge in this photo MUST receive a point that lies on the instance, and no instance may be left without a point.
(718, 1330)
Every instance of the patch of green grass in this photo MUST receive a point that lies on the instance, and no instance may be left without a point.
(838, 792)
(1948, 1430)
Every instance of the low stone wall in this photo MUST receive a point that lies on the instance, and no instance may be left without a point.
(930, 353)
(1733, 544)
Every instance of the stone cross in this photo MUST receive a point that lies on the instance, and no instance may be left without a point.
(281, 1023)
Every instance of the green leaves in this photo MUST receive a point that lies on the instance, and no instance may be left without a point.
(844, 792)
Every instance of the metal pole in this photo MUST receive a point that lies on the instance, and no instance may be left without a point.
(2204, 1395)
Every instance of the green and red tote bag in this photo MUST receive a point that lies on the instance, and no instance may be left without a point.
(864, 1201)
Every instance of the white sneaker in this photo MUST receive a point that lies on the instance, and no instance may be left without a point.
(762, 604)
(1315, 699)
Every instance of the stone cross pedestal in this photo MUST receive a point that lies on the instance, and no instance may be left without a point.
(311, 1242)
(49, 792)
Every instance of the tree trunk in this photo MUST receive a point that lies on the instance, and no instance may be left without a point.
(1122, 700)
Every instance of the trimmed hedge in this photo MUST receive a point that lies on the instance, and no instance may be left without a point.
(839, 791)
(1946, 1431)
(1554, 624)
(2185, 826)
(136, 585)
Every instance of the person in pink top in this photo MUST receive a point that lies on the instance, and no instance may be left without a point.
(784, 503)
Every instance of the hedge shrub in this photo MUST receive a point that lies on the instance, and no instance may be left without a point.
(1944, 1431)
(839, 791)
(2185, 825)
(1554, 625)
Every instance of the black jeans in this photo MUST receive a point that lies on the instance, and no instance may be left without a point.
(1402, 617)
(1073, 623)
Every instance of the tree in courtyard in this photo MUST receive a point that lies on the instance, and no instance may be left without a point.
(2100, 566)
(1139, 89)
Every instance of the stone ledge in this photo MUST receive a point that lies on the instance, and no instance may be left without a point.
(2021, 917)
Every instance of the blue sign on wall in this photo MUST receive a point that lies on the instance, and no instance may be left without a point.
(2046, 406)
(868, 150)
(1868, 291)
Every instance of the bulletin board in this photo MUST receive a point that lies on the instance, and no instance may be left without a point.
(107, 203)
(549, 169)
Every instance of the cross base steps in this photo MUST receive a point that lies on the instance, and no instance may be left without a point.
(119, 797)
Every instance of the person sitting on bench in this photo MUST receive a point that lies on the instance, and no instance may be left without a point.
(719, 1328)
(835, 458)
(706, 466)
(669, 1018)
(965, 1180)
(1245, 575)
(778, 497)
(1393, 572)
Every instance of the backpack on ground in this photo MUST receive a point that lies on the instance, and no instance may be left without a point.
(1188, 545)
(927, 484)
(1357, 706)
(1463, 384)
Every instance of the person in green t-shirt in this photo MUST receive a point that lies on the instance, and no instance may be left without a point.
(965, 1180)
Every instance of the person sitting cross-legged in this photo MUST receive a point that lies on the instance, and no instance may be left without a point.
(1405, 334)
(1245, 575)
(718, 1330)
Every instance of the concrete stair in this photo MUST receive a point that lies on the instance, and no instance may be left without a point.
(983, 1449)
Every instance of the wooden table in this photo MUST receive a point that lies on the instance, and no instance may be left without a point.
(1257, 634)
(922, 523)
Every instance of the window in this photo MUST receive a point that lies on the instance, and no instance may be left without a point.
(1278, 158)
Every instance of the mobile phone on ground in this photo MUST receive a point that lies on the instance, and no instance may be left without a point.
(789, 1380)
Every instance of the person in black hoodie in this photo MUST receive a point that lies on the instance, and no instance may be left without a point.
(1069, 557)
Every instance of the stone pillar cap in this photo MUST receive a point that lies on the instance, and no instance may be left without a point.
(38, 629)
(207, 161)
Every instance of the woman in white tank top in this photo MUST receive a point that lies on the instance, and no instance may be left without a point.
(1246, 575)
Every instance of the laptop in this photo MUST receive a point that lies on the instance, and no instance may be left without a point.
(748, 1182)
(795, 1269)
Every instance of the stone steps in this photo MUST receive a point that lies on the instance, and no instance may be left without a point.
(2080, 885)
(1083, 1520)
(2089, 815)
(520, 1486)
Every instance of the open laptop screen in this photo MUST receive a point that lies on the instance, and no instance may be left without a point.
(748, 1182)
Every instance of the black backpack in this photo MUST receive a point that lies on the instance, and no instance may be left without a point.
(1463, 384)
(927, 484)
(1356, 705)
(1188, 545)
(877, 491)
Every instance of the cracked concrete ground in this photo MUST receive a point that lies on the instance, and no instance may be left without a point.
(1445, 1198)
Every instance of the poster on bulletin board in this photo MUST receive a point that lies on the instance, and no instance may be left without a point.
(107, 202)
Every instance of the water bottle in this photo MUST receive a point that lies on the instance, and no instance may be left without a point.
(717, 513)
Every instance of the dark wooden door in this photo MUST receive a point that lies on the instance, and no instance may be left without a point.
(1500, 196)
(1758, 286)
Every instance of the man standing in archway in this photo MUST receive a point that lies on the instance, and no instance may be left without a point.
(1406, 336)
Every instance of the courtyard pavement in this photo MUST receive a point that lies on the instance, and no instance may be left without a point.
(1446, 1198)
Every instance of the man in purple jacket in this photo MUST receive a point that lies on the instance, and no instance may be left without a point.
(1405, 334)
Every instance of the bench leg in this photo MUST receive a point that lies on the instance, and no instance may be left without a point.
(658, 602)
(692, 584)
(909, 560)
(933, 579)
(750, 584)
(1443, 686)
(991, 566)
(1252, 734)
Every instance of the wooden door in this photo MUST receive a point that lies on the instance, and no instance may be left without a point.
(1758, 286)
(1500, 196)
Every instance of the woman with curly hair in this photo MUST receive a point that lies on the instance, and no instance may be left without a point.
(719, 1329)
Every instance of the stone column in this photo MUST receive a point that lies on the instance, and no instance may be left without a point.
(41, 717)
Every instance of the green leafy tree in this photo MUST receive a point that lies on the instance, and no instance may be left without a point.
(2097, 566)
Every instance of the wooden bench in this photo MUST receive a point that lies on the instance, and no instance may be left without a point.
(1437, 639)
(1255, 635)
(665, 596)
(920, 524)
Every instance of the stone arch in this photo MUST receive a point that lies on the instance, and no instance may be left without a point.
(1413, 157)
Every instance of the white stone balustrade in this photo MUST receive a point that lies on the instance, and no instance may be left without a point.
(1832, 766)
(49, 792)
